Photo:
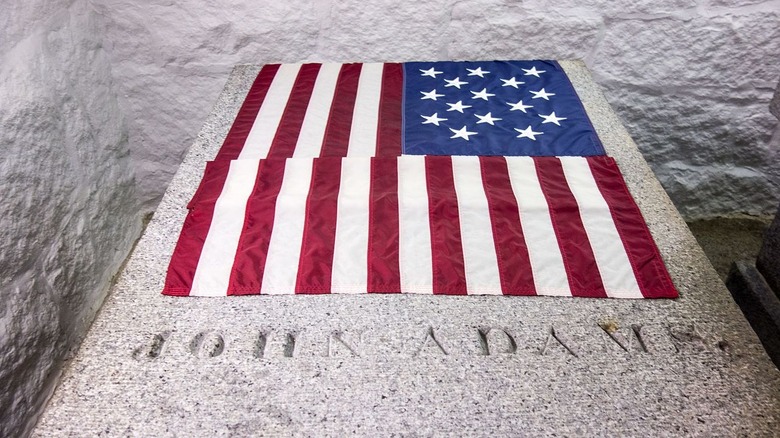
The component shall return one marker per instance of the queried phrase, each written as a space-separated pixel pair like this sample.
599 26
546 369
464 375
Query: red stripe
184 261
336 140
286 137
384 272
236 138
249 265
646 261
581 267
319 230
211 184
389 131
514 264
449 274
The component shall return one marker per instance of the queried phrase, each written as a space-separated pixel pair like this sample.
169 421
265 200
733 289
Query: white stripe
543 251
365 117
315 121
617 275
281 265
414 228
212 275
476 231
263 131
350 249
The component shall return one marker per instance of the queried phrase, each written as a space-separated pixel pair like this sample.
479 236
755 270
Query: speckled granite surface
379 365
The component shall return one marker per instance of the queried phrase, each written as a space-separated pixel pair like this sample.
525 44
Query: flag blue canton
494 108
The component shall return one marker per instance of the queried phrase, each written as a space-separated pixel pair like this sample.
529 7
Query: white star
477 72
454 83
541 94
511 82
432 95
482 94
519 106
430 72
458 106
462 133
552 118
434 119
487 118
528 133
533 72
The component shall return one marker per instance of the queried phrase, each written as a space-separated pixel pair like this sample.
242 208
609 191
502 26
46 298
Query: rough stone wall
68 213
690 78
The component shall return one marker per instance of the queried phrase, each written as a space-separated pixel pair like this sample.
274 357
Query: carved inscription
496 341
687 339
262 341
276 344
575 342
340 344
629 339
430 345
560 338
154 348
207 344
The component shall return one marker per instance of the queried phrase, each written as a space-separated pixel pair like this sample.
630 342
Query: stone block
672 55
649 8
487 29
735 3
683 144
698 190
384 30
759 304
768 262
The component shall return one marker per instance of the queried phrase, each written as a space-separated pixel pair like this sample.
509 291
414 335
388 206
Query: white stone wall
691 79
68 213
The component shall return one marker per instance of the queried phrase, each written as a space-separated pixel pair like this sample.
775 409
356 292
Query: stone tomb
756 288
418 365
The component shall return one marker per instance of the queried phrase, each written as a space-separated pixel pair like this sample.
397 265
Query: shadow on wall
69 208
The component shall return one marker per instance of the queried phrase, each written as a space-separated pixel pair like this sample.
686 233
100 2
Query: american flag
523 108
311 194
437 224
